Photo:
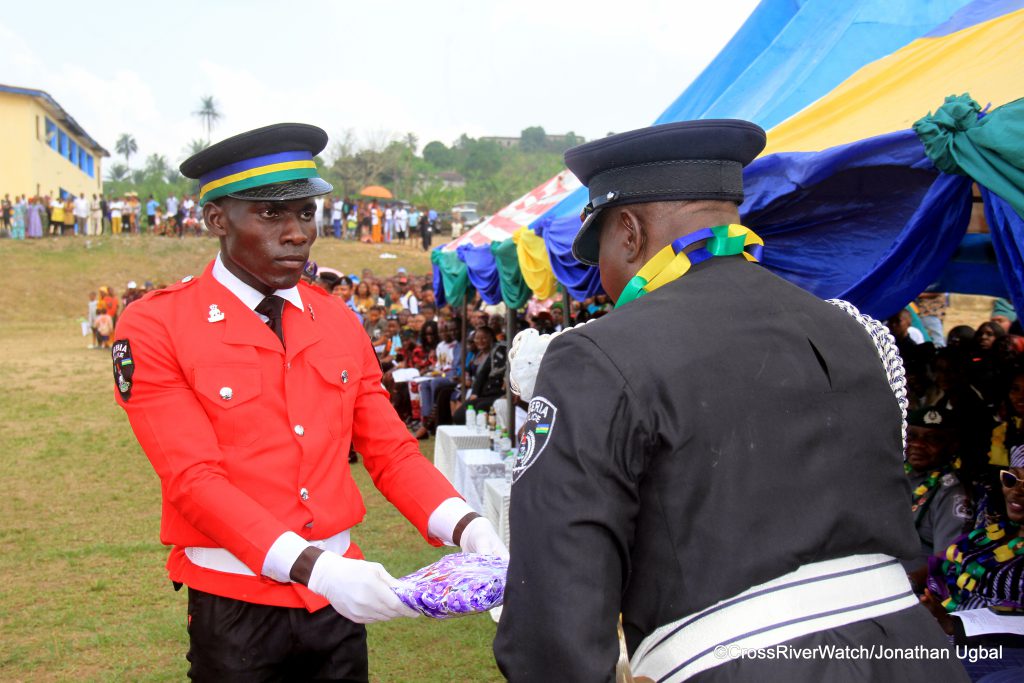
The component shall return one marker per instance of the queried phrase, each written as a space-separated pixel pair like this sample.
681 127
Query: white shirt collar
248 295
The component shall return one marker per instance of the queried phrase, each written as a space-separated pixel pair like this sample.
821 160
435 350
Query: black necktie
271 306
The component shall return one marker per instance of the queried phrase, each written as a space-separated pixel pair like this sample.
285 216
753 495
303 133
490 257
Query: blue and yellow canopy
847 200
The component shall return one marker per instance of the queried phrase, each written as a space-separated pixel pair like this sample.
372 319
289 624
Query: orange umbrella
377 192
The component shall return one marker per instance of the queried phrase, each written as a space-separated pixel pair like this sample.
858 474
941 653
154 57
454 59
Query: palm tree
126 147
195 147
156 165
208 113
117 172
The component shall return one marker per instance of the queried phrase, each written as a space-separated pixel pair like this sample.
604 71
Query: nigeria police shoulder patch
540 423
124 367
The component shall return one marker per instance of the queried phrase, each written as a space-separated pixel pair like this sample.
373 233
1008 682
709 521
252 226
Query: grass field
84 593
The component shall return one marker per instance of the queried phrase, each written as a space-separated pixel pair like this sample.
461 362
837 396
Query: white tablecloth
497 493
453 438
472 468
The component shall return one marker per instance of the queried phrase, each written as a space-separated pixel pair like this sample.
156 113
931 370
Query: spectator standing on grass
104 326
18 212
105 225
259 500
6 207
171 205
188 206
91 318
414 222
116 209
109 301
401 224
69 227
81 209
375 223
336 209
389 223
34 213
427 229
136 209
351 224
95 216
151 208
56 216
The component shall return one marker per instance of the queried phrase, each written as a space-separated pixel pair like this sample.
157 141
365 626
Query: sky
435 68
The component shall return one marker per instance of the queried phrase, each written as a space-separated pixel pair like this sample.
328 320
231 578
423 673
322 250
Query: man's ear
632 234
215 218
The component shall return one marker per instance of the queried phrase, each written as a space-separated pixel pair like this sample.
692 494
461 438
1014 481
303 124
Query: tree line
439 176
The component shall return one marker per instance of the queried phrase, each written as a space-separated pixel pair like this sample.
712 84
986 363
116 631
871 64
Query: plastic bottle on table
470 416
481 422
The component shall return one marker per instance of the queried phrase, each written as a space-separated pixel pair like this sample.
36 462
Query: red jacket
218 407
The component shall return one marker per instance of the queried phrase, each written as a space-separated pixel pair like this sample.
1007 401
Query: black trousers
231 640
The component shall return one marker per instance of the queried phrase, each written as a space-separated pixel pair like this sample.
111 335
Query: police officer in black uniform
718 461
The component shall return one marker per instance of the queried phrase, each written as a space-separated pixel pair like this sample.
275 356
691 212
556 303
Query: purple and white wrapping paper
454 586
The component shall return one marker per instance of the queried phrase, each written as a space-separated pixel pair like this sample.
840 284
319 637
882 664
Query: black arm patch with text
124 367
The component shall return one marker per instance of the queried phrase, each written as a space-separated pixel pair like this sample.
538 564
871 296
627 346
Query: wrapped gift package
456 585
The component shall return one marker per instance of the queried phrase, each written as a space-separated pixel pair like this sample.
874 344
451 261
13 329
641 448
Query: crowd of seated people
409 332
965 464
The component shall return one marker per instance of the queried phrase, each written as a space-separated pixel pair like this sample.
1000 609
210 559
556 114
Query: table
452 438
472 468
497 493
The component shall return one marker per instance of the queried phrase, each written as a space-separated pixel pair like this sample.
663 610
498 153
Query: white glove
479 536
524 359
357 589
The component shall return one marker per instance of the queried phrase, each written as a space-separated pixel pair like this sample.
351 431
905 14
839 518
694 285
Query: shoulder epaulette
185 282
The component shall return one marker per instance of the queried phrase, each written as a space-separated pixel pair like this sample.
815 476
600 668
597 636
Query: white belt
815 597
221 560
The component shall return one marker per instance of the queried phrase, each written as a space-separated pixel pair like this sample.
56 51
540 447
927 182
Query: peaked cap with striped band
682 161
270 163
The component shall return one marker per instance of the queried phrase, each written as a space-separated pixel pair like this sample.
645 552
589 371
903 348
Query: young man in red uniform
246 389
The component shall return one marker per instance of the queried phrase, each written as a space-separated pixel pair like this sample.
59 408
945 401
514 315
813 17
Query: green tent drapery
453 274
514 291
989 149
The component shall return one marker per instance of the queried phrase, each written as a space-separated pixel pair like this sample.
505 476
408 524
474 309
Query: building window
65 145
51 134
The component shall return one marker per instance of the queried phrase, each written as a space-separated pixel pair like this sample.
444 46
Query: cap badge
932 417
216 315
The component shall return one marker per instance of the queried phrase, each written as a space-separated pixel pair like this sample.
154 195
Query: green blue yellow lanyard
673 262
